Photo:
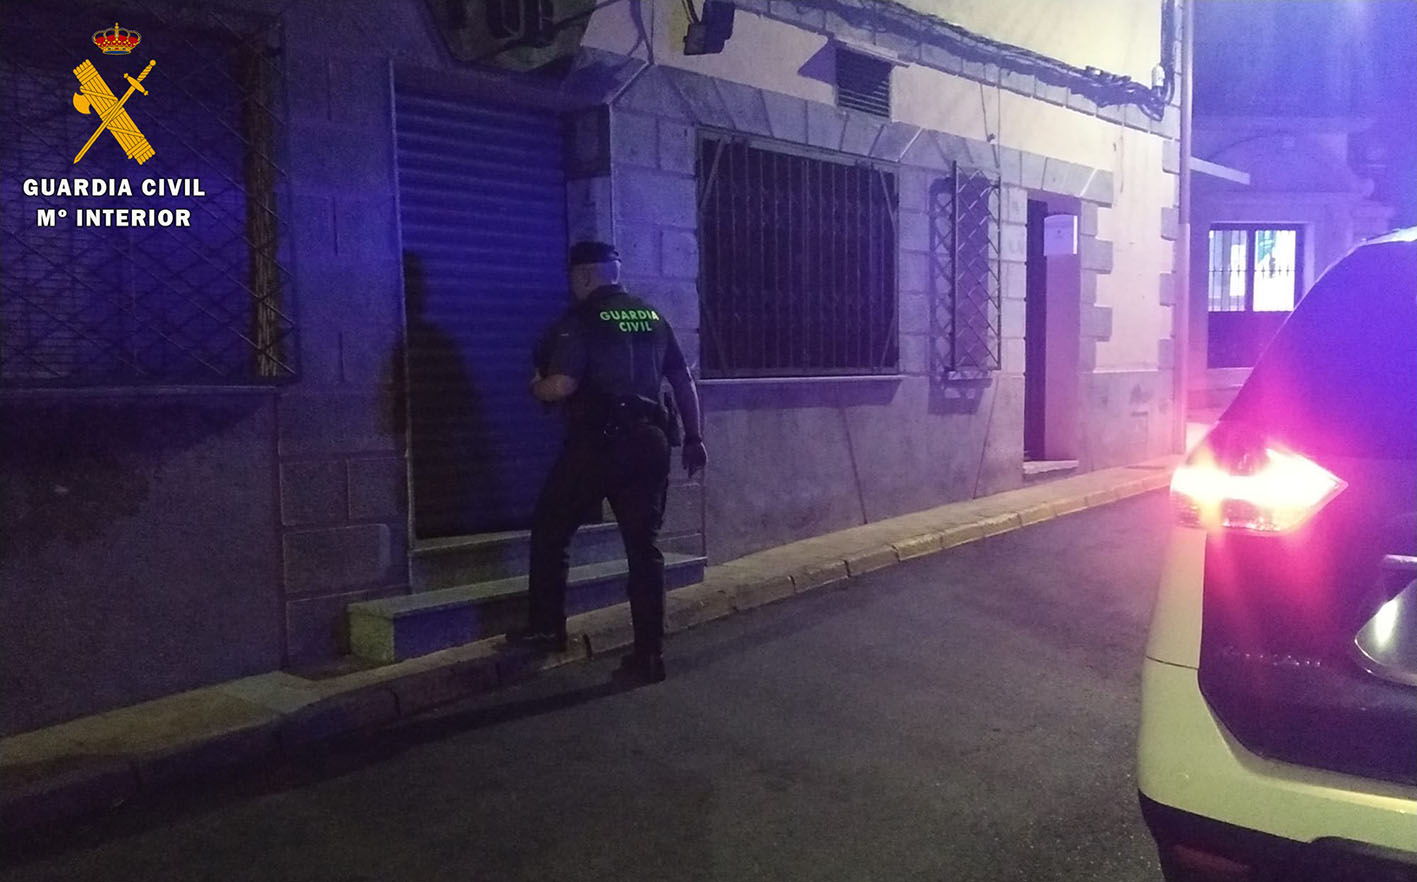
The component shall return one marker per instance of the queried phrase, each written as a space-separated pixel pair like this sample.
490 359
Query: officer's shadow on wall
444 406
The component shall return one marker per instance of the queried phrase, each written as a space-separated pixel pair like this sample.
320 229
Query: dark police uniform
619 349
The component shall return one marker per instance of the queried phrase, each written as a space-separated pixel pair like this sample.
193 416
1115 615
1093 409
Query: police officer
605 361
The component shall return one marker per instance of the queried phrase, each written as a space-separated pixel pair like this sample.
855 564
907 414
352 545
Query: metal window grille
1254 268
112 305
863 83
797 263
965 290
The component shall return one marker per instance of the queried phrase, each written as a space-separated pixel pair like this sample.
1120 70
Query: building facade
218 438
1301 155
1261 238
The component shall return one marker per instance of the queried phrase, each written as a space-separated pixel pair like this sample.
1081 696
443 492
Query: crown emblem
116 40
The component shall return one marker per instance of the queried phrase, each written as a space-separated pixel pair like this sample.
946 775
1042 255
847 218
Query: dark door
1035 334
483 216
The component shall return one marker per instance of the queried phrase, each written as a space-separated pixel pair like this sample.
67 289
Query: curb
98 763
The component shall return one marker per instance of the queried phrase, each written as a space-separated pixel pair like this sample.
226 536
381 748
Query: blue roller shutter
483 214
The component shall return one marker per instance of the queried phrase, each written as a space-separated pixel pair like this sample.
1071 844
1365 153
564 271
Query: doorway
1035 336
483 218
1052 339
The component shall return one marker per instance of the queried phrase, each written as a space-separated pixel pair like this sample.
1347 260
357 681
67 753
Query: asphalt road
966 716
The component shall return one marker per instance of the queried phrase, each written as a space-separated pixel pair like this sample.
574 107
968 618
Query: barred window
117 303
965 289
797 262
1254 268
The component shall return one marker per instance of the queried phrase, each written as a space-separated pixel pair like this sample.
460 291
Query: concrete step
484 557
398 628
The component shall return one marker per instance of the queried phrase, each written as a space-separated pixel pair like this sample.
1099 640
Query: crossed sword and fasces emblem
94 94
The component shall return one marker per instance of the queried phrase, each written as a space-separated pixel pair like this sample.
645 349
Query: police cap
593 252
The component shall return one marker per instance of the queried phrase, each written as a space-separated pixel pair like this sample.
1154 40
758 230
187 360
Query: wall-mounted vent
863 83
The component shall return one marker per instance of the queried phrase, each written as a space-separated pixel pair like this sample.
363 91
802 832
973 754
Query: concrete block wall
317 471
1128 415
204 534
1139 321
342 474
343 477
651 163
780 452
138 547
797 458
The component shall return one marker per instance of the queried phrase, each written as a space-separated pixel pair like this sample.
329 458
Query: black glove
695 455
541 354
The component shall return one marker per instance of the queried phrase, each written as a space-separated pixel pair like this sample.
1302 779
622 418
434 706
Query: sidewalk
101 761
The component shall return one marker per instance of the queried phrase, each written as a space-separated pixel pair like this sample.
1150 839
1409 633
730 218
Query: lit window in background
1253 269
1275 260
1227 270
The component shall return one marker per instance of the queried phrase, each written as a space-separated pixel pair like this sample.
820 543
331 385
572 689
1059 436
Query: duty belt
621 415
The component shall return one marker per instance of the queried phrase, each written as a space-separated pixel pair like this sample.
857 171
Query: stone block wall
138 547
298 498
655 226
342 475
796 458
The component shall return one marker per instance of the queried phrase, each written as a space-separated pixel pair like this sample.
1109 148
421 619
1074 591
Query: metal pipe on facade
1181 274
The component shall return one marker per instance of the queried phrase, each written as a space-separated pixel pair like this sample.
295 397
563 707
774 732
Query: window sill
476 541
135 391
795 381
1035 467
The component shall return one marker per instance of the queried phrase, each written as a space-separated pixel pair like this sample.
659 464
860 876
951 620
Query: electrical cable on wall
994 136
1105 88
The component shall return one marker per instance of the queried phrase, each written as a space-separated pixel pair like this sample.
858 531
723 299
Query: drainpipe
1181 274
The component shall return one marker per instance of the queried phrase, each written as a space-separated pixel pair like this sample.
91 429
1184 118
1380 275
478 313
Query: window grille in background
530 20
797 263
863 83
964 257
1254 268
110 305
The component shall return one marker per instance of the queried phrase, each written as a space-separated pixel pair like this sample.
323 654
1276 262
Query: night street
657 440
970 715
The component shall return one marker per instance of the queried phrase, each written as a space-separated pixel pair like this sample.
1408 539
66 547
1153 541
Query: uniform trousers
631 470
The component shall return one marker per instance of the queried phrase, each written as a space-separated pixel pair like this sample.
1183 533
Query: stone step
484 557
398 628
